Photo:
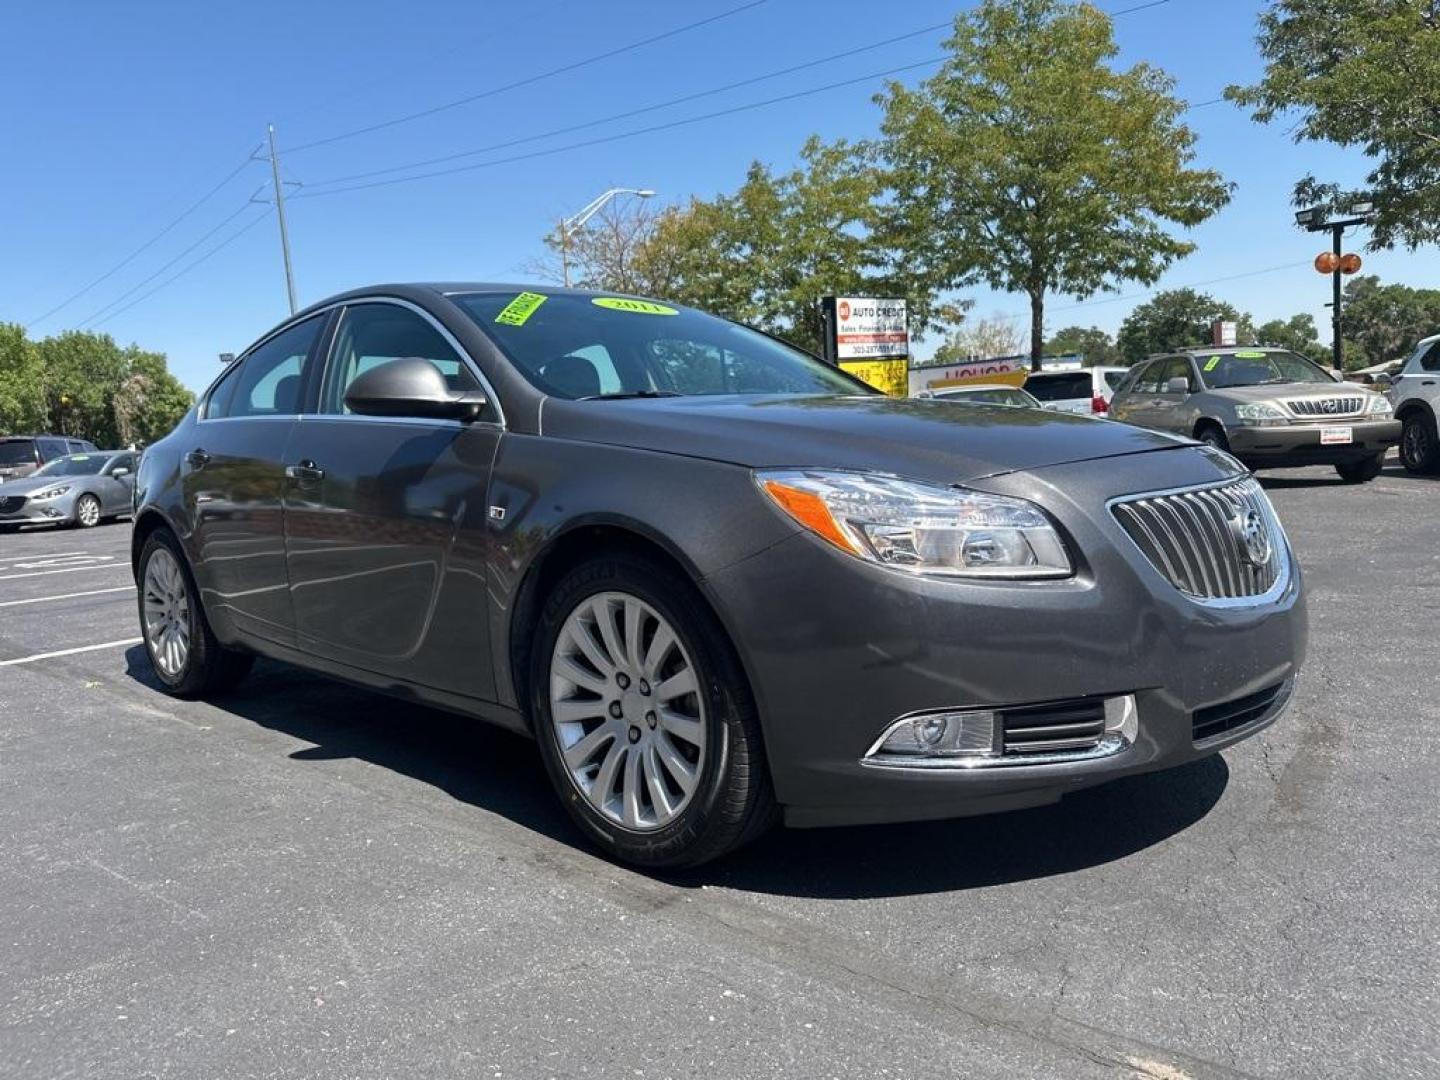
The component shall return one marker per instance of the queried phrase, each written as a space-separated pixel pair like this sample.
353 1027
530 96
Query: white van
1086 390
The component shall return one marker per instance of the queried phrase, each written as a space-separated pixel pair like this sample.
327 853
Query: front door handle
198 459
307 472
1427 382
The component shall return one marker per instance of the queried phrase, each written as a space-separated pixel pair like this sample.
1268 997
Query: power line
146 245
146 281
528 81
189 267
634 112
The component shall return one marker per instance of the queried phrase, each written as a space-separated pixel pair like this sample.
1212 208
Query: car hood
924 439
26 484
1272 391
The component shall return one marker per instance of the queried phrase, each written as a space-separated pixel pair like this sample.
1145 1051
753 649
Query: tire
1419 446
713 731
87 512
202 666
1213 435
1362 471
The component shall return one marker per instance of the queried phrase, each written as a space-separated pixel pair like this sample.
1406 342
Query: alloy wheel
1415 444
167 614
87 511
627 711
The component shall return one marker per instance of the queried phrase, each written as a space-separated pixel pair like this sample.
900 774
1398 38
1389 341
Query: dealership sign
868 328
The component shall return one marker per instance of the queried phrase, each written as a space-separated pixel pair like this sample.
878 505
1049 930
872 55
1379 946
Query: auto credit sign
870 329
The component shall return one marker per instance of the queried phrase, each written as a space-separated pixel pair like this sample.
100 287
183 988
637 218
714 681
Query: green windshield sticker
1212 363
521 308
639 307
1251 355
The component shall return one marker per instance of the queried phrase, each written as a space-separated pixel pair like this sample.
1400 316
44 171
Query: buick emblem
1254 537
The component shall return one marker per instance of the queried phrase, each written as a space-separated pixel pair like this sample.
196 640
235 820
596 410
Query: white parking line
68 570
65 596
41 555
70 652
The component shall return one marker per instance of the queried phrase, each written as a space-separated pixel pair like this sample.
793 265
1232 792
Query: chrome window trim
1283 574
450 339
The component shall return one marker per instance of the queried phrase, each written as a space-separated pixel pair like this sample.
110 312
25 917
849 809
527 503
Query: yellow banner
891 375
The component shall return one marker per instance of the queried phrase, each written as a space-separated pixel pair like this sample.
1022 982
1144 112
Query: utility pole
280 214
564 253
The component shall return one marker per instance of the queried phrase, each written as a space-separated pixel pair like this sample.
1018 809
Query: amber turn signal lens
1327 262
810 510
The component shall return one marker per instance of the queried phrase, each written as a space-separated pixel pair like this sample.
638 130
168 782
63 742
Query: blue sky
120 116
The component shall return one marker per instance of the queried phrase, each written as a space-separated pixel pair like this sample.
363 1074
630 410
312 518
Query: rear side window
1060 386
375 334
1113 379
269 380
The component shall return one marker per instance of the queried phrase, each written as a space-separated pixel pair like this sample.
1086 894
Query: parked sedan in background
984 394
717 579
78 489
1271 408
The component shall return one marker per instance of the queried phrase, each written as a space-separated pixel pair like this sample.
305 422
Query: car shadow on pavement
501 773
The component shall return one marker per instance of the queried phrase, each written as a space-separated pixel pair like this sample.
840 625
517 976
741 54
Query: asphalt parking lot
306 880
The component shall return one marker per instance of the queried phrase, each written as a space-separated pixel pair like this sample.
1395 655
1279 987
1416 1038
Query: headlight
1380 406
921 528
52 492
1260 412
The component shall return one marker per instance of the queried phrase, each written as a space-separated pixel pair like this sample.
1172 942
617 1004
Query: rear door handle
306 472
198 459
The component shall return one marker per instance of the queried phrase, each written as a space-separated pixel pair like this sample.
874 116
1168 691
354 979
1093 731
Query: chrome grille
1326 406
1208 541
11 504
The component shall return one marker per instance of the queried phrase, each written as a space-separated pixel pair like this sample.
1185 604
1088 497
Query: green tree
1385 322
1094 344
1360 73
82 373
1031 164
1176 319
984 339
22 382
1296 334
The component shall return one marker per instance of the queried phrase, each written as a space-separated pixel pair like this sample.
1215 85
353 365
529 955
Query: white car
985 394
1415 393
1085 390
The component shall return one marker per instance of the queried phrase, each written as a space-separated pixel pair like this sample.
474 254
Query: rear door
384 516
233 477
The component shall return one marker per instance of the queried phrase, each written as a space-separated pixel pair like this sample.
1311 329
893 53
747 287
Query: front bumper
1299 444
38 511
837 649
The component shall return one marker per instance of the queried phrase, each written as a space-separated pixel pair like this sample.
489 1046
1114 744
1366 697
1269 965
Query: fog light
952 734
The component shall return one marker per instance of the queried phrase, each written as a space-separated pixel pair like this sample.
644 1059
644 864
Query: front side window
73 465
1251 367
648 348
269 380
50 449
1177 367
374 334
121 461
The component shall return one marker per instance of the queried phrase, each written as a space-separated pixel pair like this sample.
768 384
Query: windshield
993 395
74 465
1256 368
580 347
19 452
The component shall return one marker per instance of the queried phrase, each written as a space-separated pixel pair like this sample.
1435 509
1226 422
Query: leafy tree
22 382
1385 322
1176 319
766 254
1031 164
1362 73
82 373
1296 334
1094 344
603 254
980 338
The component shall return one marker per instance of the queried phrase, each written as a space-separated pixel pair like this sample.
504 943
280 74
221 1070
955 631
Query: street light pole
576 221
1317 219
1337 346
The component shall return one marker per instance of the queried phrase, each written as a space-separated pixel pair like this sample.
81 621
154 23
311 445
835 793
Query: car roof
417 289
974 386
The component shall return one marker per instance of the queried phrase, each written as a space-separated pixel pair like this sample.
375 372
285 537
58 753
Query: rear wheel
187 658
1358 472
644 717
87 511
1419 447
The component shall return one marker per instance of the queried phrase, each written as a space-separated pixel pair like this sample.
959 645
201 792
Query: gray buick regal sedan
718 581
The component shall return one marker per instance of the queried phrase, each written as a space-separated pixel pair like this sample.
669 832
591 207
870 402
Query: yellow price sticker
521 308
638 307
1212 363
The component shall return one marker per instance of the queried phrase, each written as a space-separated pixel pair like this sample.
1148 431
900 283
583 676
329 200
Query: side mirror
411 387
118 473
1178 385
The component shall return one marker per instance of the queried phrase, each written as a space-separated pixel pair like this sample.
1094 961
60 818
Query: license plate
1333 436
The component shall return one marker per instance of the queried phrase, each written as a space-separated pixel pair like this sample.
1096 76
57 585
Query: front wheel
187 658
1362 471
87 512
1419 447
1212 435
644 717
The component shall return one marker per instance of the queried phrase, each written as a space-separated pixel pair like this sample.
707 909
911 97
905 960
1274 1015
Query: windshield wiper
620 395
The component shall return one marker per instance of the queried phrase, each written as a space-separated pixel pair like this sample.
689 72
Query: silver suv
1269 407
1415 393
